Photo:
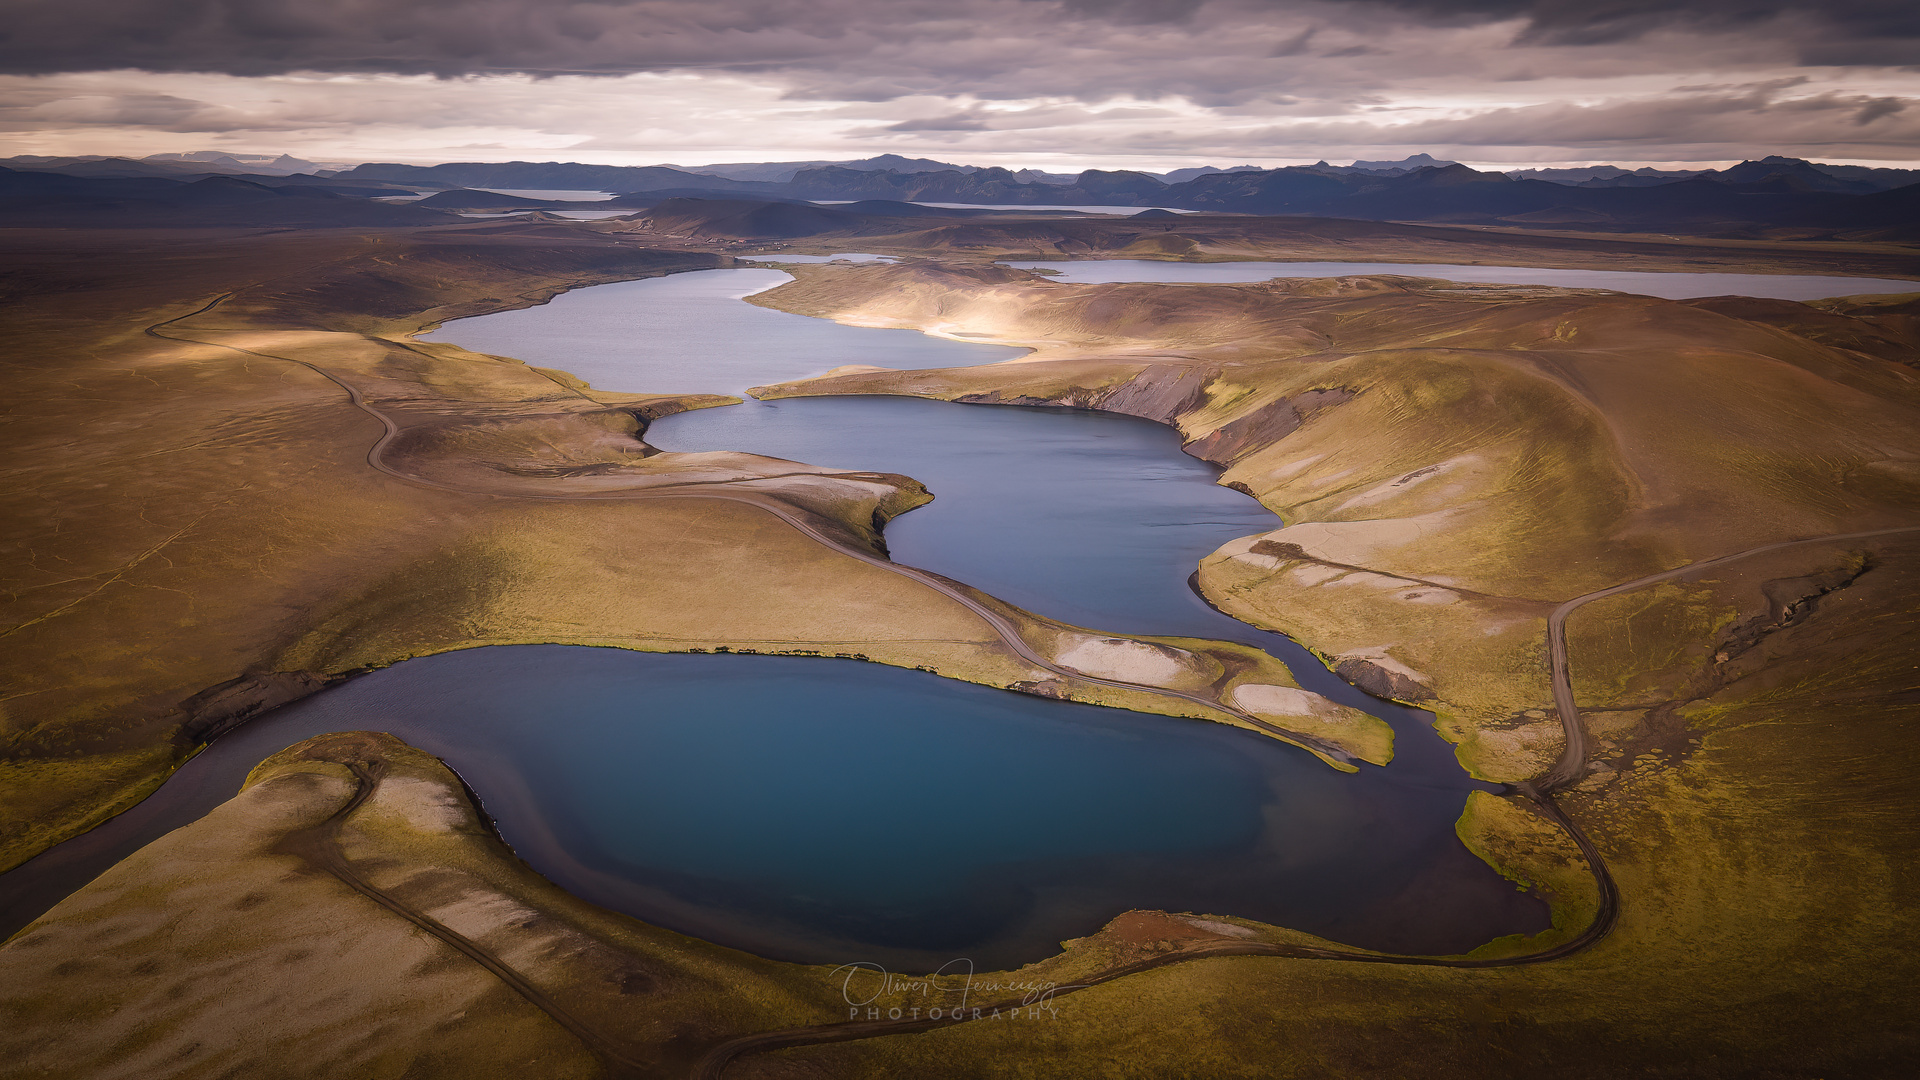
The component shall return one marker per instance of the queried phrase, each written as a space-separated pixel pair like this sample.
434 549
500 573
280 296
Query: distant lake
574 215
690 334
1078 208
850 256
556 194
1671 286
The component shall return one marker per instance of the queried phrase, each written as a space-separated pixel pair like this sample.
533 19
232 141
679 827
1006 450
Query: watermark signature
952 993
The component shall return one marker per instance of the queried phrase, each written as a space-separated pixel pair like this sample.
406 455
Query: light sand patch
1370 579
1239 546
1215 926
1125 660
1333 477
715 459
1378 656
1405 482
879 322
292 802
829 487
1293 468
477 914
1266 700
1314 573
1354 542
422 804
1901 469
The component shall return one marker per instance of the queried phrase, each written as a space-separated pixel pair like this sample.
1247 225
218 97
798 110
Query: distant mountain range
1812 176
1774 197
30 199
1848 179
197 163
766 177
1754 197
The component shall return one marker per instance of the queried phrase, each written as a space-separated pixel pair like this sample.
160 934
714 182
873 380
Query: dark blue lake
832 810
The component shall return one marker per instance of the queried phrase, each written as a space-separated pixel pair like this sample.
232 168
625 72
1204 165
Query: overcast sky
1046 83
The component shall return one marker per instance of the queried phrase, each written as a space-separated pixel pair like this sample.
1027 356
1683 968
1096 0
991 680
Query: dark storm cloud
1135 11
452 37
1886 29
457 37
950 122
1724 117
1875 108
439 37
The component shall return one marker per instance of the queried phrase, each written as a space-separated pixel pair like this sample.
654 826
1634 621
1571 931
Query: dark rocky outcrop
1789 602
219 709
1263 427
1380 682
1161 392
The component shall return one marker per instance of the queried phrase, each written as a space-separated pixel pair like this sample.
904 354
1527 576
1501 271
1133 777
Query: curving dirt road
1573 757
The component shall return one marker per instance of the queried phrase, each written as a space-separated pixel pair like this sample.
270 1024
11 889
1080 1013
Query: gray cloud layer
458 37
1097 80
